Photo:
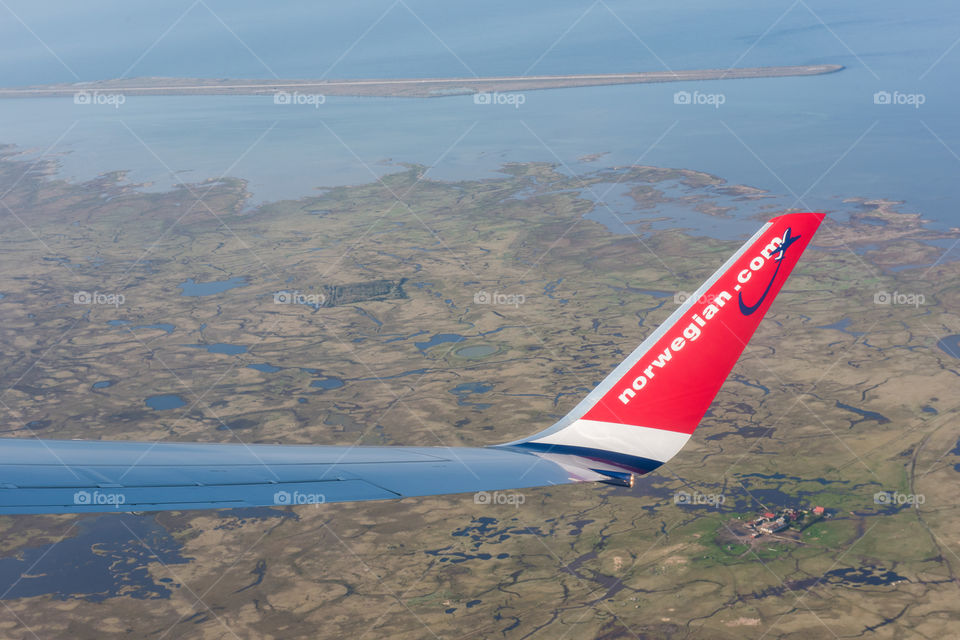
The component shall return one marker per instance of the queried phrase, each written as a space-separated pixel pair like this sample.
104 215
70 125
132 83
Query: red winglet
673 382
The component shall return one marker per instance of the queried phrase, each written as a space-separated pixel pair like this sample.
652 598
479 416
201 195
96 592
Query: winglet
643 412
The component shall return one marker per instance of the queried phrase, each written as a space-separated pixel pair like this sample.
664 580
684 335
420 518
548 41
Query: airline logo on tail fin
775 249
650 404
671 384
777 254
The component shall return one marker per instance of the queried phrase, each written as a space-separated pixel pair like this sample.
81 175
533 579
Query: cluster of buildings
771 522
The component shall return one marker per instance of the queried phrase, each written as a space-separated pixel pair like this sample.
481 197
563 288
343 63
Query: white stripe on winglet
655 444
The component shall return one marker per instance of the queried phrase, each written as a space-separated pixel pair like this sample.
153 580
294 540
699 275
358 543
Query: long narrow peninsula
401 87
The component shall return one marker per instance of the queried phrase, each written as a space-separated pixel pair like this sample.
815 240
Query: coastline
400 87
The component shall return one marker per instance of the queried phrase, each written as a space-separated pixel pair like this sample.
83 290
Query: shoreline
400 87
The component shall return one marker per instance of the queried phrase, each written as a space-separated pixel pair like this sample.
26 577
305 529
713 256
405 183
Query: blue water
264 367
166 401
950 345
465 390
192 288
438 338
809 140
617 211
221 347
163 326
471 387
102 384
327 383
107 556
841 325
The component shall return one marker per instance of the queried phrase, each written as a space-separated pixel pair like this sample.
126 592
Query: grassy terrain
579 561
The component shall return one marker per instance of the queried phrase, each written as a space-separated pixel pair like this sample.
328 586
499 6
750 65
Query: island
400 87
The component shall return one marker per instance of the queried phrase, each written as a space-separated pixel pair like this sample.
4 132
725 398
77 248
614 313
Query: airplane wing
636 419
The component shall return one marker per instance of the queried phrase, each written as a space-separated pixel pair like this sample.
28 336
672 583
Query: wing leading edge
635 420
